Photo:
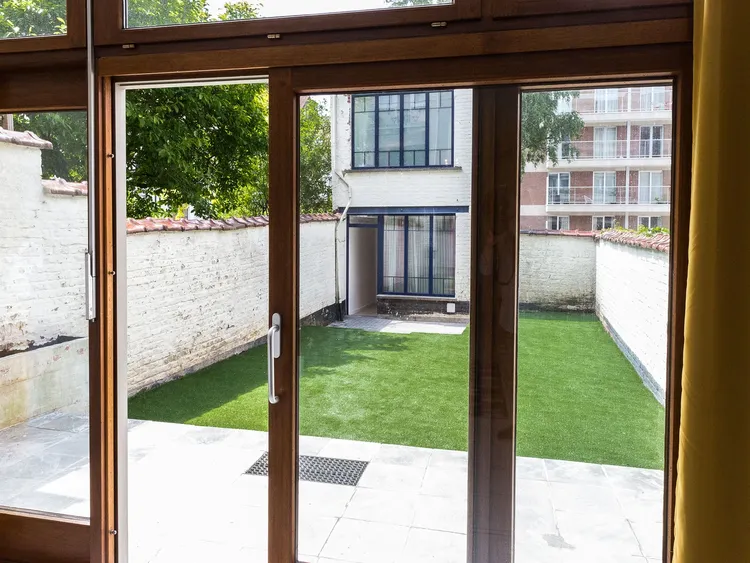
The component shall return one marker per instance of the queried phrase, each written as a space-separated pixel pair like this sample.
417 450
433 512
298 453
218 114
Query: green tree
67 133
315 157
27 18
198 146
543 127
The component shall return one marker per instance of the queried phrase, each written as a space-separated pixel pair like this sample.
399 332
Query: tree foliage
543 127
203 147
28 18
67 133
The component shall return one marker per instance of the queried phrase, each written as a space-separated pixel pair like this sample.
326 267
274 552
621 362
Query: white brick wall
42 245
632 299
557 272
199 296
403 188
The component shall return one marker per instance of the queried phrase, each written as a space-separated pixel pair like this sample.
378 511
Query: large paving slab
190 499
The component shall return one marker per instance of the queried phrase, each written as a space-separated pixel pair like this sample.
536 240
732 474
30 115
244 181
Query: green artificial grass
578 397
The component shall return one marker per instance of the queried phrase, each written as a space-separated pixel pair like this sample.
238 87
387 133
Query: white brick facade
401 188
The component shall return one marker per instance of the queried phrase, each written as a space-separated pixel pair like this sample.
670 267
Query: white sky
276 8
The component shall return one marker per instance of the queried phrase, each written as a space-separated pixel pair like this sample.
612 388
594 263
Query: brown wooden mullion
494 321
283 299
102 336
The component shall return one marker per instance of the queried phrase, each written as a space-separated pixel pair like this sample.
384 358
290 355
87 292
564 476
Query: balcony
615 153
648 200
617 105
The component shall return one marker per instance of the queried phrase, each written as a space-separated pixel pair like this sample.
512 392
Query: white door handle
273 344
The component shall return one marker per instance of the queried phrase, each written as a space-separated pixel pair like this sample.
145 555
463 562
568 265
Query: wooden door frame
520 68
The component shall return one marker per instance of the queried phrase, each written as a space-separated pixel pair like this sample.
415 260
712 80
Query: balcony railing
604 195
614 149
603 101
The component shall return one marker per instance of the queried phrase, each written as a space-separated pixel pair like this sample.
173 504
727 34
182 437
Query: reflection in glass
44 361
32 18
151 13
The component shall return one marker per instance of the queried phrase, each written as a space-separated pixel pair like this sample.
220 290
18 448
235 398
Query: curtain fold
712 518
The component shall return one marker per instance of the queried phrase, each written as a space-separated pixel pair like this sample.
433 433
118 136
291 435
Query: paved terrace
190 499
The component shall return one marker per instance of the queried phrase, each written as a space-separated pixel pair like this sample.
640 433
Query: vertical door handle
273 344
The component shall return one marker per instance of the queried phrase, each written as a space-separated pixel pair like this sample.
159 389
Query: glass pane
389 130
444 255
384 365
150 13
419 255
393 254
195 162
415 122
592 347
44 344
441 128
27 18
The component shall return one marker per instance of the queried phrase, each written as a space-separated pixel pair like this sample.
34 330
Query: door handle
273 345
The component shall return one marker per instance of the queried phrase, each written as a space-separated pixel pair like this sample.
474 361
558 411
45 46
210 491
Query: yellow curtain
712 519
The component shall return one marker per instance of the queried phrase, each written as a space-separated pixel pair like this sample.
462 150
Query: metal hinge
439 24
90 286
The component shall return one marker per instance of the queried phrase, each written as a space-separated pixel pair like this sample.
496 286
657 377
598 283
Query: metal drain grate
319 469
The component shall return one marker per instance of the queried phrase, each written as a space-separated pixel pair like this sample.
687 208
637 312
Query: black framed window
418 255
403 130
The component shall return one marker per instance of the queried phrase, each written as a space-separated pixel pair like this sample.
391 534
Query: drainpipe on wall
336 273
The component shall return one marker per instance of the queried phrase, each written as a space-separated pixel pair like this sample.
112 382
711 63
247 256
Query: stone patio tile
641 506
314 533
365 542
585 499
41 466
443 514
635 478
323 499
403 455
61 422
199 552
249 490
20 442
530 468
75 445
650 537
429 546
151 434
312 445
598 534
44 502
390 477
387 507
449 458
535 516
350 449
575 472
11 487
528 552
445 482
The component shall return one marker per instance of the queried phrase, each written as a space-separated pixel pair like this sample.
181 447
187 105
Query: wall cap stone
150 225
58 186
24 139
658 242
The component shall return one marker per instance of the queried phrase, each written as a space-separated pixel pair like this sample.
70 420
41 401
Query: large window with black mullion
418 255
405 130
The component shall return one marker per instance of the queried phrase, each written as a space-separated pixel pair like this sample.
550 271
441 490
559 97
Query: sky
276 8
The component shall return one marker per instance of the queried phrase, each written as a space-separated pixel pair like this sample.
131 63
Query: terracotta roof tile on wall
24 139
59 186
150 225
658 242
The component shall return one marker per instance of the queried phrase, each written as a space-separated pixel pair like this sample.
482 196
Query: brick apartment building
617 173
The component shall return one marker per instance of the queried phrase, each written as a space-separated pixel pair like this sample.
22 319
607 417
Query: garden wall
621 276
201 295
197 290
557 271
